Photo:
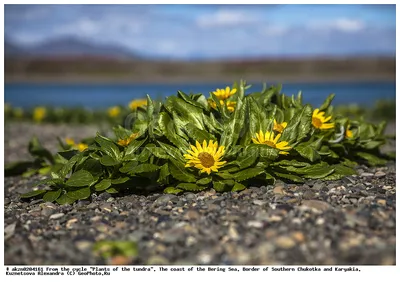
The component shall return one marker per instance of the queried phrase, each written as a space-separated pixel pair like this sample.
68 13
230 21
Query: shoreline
209 79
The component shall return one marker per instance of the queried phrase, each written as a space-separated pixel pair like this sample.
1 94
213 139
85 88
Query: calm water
102 96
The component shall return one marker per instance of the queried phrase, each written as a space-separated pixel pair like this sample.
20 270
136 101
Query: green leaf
307 152
164 173
317 173
65 199
327 102
32 194
112 190
187 99
69 165
108 161
103 185
172 190
340 172
108 146
204 180
51 196
80 178
68 154
173 152
189 187
179 172
93 166
219 186
247 173
80 194
198 134
238 187
17 168
145 168
120 180
157 151
129 167
291 177
372 159
37 150
133 146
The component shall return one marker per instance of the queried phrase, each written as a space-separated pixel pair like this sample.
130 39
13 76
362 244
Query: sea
101 96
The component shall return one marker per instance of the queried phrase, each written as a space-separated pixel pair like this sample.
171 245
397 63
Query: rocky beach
351 221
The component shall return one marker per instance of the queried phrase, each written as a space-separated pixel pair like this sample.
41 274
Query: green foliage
156 151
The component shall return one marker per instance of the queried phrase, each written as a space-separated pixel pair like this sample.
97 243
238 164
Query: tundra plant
226 141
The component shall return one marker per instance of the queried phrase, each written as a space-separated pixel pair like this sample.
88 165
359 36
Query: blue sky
213 31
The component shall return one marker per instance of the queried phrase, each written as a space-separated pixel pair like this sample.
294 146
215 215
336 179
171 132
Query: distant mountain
70 47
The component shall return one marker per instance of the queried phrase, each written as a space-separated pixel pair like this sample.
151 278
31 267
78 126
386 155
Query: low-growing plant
226 141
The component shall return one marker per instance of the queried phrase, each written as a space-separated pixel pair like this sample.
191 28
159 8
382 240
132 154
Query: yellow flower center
316 122
206 159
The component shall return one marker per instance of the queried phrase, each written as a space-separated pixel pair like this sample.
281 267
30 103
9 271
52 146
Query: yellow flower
279 126
70 141
81 146
114 111
39 114
270 140
134 104
125 142
206 158
349 133
229 104
224 94
319 120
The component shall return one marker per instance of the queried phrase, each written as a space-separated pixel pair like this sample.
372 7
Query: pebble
56 216
366 174
380 174
316 204
285 242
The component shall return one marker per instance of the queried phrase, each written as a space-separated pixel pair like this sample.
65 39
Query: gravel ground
350 221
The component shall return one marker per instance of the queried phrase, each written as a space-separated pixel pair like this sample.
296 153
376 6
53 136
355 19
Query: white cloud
274 30
224 18
342 24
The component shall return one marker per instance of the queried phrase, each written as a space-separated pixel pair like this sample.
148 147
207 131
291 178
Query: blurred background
98 56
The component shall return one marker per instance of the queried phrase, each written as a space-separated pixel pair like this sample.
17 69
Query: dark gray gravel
351 221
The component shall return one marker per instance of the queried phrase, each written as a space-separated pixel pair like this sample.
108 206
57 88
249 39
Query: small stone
71 222
381 202
298 236
308 195
163 200
259 202
255 224
316 204
83 245
318 186
279 190
56 216
190 196
47 211
109 200
233 234
9 230
380 174
367 174
285 242
106 207
204 257
192 214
